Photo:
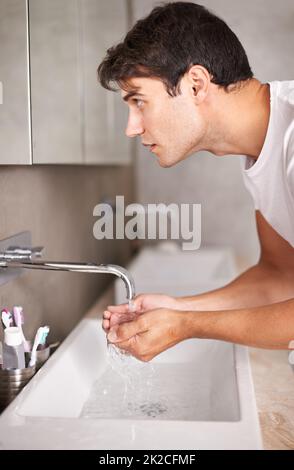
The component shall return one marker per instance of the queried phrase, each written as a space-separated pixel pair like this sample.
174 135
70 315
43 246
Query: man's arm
270 281
257 309
270 327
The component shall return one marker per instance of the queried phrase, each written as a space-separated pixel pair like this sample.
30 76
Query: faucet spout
74 267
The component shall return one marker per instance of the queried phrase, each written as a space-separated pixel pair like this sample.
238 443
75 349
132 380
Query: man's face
171 127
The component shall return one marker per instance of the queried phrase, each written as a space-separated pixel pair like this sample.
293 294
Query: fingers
109 320
138 346
105 325
134 305
106 314
116 314
125 331
112 319
122 308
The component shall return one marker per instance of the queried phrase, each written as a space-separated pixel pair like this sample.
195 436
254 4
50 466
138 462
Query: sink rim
23 432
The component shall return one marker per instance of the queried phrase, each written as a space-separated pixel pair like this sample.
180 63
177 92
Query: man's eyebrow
130 94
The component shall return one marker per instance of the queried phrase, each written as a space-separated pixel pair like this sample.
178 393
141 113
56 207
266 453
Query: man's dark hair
171 39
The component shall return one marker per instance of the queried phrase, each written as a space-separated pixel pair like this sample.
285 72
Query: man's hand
150 333
268 326
116 314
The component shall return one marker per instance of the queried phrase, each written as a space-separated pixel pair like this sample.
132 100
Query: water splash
171 392
132 306
134 374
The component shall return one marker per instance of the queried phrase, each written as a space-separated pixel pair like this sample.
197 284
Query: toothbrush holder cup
12 382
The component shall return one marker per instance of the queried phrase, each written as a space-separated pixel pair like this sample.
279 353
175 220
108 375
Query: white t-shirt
270 178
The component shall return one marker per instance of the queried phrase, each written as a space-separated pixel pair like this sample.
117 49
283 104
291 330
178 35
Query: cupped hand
115 314
151 332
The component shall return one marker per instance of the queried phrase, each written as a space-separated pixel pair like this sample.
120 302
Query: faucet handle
18 253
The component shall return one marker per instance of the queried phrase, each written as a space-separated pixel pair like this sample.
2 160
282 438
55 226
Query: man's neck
242 120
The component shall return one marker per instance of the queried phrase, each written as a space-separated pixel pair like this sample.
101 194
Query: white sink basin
199 395
177 272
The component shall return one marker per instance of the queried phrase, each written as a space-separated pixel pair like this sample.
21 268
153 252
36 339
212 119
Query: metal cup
41 355
12 382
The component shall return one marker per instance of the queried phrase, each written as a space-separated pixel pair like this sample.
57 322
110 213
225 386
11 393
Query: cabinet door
15 138
103 23
56 88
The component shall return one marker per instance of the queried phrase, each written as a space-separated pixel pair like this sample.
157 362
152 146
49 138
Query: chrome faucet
22 257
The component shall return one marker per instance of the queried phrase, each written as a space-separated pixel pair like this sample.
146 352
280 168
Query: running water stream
131 389
125 386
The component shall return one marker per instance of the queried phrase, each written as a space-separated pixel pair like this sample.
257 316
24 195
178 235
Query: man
189 87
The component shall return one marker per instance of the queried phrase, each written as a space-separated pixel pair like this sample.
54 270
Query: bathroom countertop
273 380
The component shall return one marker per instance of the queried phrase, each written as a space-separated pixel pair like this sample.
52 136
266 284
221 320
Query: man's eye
138 103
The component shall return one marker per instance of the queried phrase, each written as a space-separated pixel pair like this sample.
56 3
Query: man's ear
199 80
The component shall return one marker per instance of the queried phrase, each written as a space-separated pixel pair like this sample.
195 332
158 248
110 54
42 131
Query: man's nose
135 126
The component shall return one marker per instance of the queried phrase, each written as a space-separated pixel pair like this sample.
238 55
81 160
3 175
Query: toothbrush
37 341
6 318
19 321
42 344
